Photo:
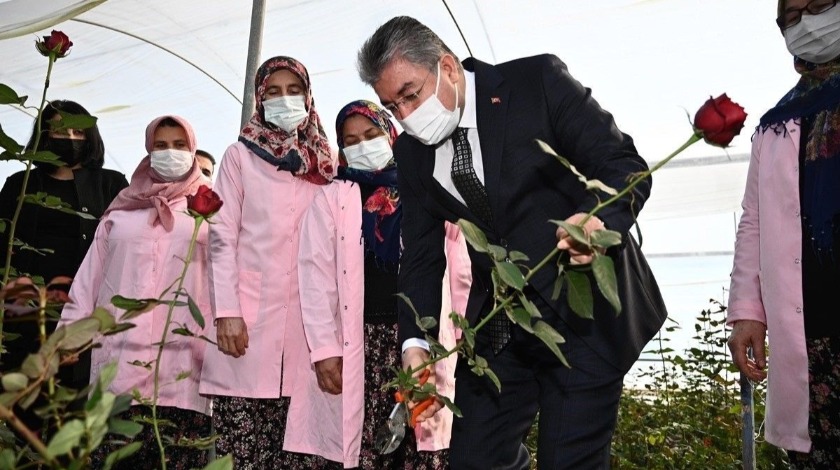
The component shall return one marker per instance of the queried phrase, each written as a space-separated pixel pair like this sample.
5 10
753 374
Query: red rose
56 43
204 203
719 120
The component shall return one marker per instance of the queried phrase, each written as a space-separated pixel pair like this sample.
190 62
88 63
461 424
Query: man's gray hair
401 37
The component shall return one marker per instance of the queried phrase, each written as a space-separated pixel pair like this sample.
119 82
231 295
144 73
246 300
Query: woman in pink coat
137 253
787 252
348 277
267 180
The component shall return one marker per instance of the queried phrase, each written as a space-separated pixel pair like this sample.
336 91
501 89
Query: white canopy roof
646 61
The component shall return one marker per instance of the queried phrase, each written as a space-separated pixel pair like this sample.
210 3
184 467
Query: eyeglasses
407 100
792 16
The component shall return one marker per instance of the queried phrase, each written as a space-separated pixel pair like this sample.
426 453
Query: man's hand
578 254
749 334
412 358
328 372
232 336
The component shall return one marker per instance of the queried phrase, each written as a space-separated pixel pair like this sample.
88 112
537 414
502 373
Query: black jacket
516 103
95 189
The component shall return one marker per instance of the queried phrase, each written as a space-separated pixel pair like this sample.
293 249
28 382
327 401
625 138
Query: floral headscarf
306 151
382 212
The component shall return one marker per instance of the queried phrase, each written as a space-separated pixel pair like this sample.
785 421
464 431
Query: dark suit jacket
518 102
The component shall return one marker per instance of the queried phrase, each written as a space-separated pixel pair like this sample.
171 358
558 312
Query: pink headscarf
147 189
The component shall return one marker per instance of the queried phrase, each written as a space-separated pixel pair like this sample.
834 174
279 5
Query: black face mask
69 151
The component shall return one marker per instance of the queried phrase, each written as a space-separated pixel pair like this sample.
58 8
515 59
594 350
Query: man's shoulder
532 62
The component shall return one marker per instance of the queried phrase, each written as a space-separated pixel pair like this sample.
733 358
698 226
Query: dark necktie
465 179
475 197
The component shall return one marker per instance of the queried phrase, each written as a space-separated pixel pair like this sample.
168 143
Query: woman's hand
749 334
328 372
232 336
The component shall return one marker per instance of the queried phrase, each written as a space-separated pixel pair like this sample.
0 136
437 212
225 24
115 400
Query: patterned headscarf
382 211
815 103
304 152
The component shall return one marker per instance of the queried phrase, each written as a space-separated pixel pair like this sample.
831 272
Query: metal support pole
254 51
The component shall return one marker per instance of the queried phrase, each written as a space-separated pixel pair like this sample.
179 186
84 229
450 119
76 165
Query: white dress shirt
444 154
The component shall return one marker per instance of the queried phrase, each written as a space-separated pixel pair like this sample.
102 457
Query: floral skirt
180 424
824 410
250 443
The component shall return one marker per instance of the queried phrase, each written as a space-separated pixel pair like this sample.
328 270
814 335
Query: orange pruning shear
391 434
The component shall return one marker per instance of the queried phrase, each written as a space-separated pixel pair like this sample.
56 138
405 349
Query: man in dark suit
469 152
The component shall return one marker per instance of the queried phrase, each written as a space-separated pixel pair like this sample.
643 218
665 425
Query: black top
820 267
90 191
380 282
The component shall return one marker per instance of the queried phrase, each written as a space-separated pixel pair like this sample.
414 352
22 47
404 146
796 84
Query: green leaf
183 332
120 454
497 252
68 437
590 184
124 427
28 400
2 226
119 328
134 307
42 156
604 271
14 381
605 238
73 121
10 96
450 404
510 274
107 375
33 366
579 294
575 231
79 333
224 463
532 309
182 375
493 378
558 285
517 256
520 316
427 323
475 237
7 459
195 312
106 320
551 338
9 143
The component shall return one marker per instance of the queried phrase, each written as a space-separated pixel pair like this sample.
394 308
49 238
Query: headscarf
815 103
147 189
305 152
382 212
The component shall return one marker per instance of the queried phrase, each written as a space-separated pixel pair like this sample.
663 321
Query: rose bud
56 43
205 202
719 120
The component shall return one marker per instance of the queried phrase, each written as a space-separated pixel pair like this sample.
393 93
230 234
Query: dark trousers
578 407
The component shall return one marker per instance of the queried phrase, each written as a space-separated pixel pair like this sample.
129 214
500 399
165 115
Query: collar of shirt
468 118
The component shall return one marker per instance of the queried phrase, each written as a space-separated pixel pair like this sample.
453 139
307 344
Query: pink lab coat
767 280
253 275
130 258
332 280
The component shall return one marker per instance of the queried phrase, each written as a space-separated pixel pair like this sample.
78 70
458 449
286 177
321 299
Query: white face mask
286 112
369 155
431 122
171 164
816 38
